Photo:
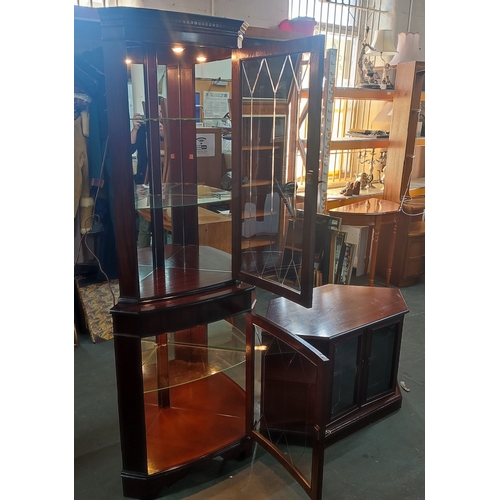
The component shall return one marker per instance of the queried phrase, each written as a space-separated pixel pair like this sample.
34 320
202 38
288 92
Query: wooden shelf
256 183
258 240
260 148
364 94
344 143
223 416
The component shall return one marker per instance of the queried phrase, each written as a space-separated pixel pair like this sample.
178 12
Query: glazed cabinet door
382 360
276 117
347 357
286 400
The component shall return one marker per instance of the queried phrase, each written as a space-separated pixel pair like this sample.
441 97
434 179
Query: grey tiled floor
384 461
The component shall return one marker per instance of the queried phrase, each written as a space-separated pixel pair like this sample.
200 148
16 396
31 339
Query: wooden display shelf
362 94
366 94
258 240
205 416
260 148
256 183
345 143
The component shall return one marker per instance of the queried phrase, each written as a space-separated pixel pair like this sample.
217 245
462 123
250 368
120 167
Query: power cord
94 218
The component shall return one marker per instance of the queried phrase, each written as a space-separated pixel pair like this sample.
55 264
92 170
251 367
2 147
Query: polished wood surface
409 254
373 213
337 309
185 271
204 416
372 206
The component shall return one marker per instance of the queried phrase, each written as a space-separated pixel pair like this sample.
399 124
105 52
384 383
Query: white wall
257 13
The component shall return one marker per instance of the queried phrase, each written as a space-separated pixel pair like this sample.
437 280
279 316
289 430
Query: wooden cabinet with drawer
409 253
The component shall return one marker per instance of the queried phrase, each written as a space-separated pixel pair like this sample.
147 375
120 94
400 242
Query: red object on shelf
304 25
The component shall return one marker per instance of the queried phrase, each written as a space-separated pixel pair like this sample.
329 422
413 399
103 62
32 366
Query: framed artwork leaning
338 238
346 259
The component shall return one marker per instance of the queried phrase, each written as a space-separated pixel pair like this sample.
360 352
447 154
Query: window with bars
346 24
97 3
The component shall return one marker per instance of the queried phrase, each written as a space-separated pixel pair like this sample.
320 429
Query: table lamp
383 46
408 48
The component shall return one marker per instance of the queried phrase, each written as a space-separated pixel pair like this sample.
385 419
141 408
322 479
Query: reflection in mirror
142 156
213 153
168 200
274 127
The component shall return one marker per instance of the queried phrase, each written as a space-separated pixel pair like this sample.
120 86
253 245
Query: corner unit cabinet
179 322
363 345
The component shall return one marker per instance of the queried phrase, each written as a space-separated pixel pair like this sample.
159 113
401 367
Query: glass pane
194 392
381 367
163 132
274 149
285 401
345 370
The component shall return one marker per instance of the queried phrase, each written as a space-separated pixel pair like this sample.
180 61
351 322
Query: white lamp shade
382 43
408 48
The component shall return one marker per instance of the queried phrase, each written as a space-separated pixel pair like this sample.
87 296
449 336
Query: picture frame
337 239
344 269
334 223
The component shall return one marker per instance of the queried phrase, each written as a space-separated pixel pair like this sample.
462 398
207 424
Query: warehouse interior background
38 87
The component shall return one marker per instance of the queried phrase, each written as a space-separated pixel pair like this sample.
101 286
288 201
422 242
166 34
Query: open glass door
276 107
286 400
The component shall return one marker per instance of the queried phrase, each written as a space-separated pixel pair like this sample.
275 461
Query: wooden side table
373 213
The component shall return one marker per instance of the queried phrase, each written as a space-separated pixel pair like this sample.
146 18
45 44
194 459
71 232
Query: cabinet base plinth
363 417
148 487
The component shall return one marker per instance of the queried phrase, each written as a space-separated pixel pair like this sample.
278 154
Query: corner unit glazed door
276 117
286 400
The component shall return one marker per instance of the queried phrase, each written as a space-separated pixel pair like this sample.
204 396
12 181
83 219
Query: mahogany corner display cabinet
195 367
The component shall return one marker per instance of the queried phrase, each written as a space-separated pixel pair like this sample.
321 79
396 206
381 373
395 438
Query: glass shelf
181 195
179 358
